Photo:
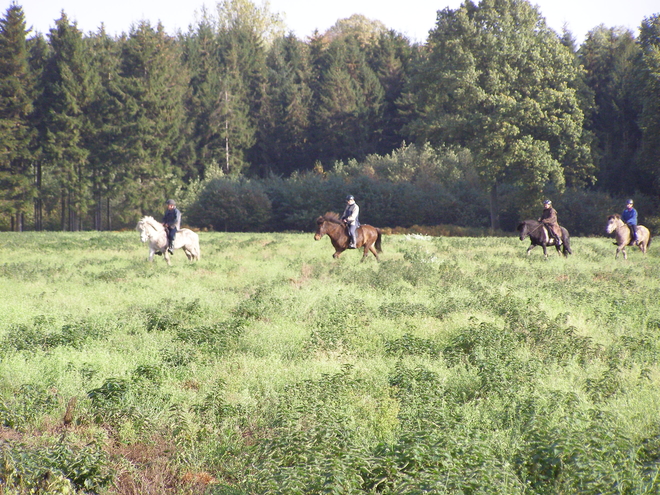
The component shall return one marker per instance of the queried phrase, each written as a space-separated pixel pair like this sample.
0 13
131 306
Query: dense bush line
293 204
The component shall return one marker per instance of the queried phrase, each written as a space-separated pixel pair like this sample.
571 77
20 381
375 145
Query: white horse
624 237
154 232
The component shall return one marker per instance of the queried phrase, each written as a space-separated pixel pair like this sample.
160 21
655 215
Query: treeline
235 117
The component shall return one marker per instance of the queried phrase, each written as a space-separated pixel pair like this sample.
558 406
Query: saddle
551 234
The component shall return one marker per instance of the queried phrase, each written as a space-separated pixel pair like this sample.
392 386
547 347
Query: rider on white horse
172 223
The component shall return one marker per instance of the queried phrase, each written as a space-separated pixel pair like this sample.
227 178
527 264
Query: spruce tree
66 94
204 103
283 133
105 117
154 84
39 54
16 132
349 103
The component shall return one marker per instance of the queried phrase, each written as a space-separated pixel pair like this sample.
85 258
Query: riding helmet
547 202
629 202
349 197
170 202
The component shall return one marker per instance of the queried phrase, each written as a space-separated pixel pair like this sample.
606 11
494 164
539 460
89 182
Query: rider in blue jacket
629 216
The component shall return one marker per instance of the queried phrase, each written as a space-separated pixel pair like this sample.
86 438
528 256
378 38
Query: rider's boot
557 239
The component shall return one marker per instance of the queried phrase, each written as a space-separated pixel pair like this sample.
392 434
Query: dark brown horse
539 236
367 236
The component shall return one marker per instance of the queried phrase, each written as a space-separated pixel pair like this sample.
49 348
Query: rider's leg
633 232
171 234
557 237
352 235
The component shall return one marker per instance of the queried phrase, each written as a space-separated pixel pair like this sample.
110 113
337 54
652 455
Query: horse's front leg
545 250
531 246
152 252
337 253
622 250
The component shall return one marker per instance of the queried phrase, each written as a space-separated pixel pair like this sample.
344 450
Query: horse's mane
616 215
332 217
151 222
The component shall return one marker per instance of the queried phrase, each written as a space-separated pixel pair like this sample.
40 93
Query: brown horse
367 236
624 237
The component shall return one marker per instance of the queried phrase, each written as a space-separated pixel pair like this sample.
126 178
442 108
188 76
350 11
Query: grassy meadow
453 366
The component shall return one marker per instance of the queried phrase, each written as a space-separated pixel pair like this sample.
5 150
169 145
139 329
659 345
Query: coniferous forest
251 129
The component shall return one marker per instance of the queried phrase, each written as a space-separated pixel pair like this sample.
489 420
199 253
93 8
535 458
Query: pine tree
16 133
349 103
283 133
154 84
39 54
105 117
202 58
66 94
244 32
390 57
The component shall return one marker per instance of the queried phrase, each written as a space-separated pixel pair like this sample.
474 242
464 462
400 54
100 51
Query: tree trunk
98 212
226 134
63 212
494 208
38 204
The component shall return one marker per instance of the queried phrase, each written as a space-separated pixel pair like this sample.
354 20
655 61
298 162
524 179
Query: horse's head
146 227
142 229
613 221
522 228
321 228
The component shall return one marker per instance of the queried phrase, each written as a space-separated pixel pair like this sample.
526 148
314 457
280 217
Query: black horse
539 236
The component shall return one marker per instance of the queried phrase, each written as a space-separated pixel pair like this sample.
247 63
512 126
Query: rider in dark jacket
172 223
350 218
549 219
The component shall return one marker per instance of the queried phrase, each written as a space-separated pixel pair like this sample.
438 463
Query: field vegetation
456 365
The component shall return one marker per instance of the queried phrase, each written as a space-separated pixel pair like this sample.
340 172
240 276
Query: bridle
534 229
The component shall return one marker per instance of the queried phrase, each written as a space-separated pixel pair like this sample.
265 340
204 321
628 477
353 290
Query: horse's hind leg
374 252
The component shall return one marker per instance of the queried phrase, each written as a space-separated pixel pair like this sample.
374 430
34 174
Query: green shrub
54 469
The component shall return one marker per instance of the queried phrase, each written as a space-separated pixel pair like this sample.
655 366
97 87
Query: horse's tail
197 253
566 241
377 243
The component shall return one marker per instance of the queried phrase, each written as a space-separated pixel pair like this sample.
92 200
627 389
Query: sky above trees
413 18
